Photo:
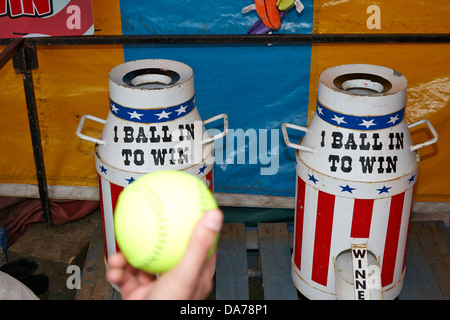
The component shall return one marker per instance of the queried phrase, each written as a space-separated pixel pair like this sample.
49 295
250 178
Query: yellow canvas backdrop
71 81
426 67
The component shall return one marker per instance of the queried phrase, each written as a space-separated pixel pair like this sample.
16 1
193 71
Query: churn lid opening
151 78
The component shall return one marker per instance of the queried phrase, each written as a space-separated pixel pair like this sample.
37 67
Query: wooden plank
435 239
427 273
94 285
251 234
231 269
276 262
420 281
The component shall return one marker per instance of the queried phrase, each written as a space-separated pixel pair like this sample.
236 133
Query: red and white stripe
326 224
109 193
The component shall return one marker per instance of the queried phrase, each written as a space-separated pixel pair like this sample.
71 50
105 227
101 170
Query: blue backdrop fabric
258 86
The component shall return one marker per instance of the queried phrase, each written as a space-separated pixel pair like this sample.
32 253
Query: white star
114 108
181 110
163 115
319 110
339 120
136 115
393 119
367 124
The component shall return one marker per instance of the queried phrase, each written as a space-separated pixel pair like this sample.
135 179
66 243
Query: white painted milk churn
153 124
356 169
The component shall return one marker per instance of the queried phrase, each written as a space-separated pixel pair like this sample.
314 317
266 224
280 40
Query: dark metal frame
23 53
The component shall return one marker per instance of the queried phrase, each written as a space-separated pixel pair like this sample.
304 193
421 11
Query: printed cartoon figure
271 13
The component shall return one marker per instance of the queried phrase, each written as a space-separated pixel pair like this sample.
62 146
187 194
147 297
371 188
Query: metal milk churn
153 124
356 169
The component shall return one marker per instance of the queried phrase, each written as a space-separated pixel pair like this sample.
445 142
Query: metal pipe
10 51
37 146
24 61
241 39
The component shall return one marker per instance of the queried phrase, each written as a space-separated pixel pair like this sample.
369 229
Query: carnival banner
39 18
259 87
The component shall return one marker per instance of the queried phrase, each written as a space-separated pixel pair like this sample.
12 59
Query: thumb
203 238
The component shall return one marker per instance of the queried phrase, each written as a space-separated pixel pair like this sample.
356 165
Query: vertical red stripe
392 235
300 210
362 217
210 178
322 239
115 192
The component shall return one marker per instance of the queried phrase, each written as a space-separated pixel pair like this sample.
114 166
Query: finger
117 260
116 268
122 274
144 278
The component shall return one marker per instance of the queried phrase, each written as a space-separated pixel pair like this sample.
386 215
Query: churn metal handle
433 132
295 145
85 137
225 127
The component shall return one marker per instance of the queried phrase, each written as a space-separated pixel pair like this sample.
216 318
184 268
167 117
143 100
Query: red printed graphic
40 18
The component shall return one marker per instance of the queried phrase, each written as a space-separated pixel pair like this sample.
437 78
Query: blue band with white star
358 122
357 189
152 115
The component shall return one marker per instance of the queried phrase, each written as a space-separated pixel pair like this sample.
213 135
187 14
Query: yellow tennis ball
155 215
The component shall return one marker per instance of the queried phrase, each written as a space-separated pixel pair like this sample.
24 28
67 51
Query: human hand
191 279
